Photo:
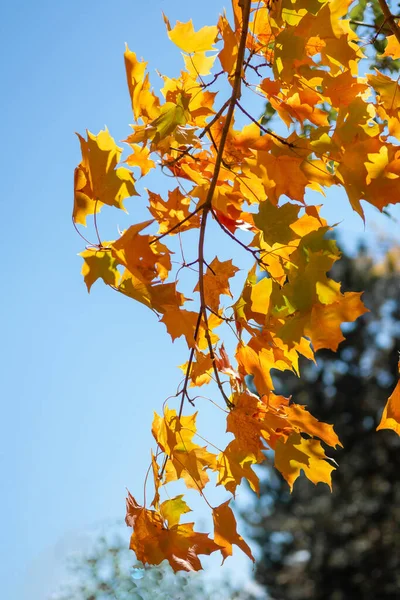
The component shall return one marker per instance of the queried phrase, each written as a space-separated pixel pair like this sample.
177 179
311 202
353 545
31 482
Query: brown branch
207 205
203 308
390 19
370 25
189 366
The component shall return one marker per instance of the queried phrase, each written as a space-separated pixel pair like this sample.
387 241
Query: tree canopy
338 125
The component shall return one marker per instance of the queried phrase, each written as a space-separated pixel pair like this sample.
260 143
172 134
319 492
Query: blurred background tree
316 545
108 571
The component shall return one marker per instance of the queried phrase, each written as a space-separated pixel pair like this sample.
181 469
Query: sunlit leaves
234 179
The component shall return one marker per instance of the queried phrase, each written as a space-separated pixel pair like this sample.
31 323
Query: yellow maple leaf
187 39
172 510
140 158
326 319
142 258
170 213
145 104
98 180
298 454
99 264
387 88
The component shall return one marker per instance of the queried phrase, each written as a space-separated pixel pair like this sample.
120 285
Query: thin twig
189 366
82 236
264 129
95 223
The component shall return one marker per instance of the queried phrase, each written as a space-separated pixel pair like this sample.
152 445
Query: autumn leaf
140 158
172 212
225 533
301 418
391 413
300 454
99 264
234 464
173 509
140 255
181 322
189 40
216 281
190 465
98 180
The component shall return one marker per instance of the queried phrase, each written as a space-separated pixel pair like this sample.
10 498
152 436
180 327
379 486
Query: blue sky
81 373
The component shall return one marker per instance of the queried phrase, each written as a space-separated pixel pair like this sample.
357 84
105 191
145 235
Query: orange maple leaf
225 533
153 542
391 413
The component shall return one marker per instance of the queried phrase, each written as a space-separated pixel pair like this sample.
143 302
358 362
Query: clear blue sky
81 374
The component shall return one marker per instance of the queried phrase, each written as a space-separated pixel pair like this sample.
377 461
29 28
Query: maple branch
236 93
390 19
381 28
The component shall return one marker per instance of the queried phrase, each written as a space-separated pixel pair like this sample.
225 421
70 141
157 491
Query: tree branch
390 19
207 205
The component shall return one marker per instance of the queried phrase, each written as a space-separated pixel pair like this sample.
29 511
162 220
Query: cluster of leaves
367 19
304 59
318 546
